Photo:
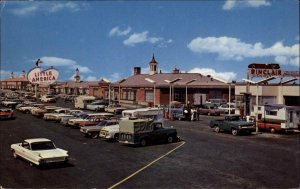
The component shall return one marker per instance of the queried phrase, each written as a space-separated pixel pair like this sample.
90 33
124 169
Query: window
149 96
129 95
273 113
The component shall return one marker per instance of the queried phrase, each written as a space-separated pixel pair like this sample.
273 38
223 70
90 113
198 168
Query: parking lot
204 159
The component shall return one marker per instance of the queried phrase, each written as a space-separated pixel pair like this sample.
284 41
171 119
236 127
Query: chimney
136 70
11 74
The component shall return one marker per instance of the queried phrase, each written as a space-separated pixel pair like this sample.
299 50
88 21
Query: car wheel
170 139
14 154
116 137
217 129
144 142
94 135
272 130
234 132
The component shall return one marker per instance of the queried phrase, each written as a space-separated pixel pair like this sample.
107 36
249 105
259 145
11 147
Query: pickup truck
233 124
144 132
94 131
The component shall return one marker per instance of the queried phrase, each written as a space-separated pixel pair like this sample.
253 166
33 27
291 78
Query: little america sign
44 77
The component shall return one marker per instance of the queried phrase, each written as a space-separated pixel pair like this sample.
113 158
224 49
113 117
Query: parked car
91 117
225 108
233 124
114 108
48 98
6 113
39 151
98 105
209 110
145 131
110 132
94 131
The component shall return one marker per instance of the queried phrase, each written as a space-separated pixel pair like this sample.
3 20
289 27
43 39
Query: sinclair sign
44 77
269 70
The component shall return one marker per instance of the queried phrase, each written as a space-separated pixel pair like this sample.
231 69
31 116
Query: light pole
186 93
154 91
109 93
170 100
121 81
257 83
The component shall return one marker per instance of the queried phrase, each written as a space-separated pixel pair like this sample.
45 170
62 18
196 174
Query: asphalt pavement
204 159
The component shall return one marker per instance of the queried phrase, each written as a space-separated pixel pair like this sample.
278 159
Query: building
15 83
162 88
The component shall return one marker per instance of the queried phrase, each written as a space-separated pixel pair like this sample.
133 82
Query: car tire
94 135
234 132
272 130
144 142
14 154
116 137
170 139
217 129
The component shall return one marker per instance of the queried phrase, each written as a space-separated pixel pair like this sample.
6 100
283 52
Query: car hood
241 123
51 153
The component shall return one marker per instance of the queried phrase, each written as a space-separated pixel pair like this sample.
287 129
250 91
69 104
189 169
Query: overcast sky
107 39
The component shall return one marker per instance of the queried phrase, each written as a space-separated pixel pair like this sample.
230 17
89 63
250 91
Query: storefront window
149 96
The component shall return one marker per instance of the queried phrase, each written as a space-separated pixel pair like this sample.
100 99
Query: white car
96 106
48 98
57 114
39 151
110 132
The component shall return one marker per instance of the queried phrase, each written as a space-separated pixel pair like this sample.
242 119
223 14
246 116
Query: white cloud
91 78
29 8
230 4
227 76
114 77
229 48
137 38
63 62
117 32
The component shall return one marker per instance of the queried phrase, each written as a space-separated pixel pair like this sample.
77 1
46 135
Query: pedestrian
192 114
198 114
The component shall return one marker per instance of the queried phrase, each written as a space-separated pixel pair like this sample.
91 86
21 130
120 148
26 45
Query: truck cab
144 132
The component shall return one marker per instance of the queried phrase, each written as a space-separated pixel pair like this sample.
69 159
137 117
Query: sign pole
35 90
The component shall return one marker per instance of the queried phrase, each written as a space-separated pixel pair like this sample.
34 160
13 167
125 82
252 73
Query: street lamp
154 85
256 100
171 82
186 93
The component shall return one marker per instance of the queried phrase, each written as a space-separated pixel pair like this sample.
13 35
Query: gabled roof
16 79
201 80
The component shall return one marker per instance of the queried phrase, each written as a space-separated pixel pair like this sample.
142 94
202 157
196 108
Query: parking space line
145 167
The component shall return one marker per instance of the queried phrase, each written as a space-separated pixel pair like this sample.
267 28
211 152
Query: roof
81 84
15 79
201 80
37 140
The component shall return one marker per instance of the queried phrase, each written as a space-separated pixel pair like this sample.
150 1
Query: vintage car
225 108
39 151
6 113
114 108
94 131
90 119
9 103
27 109
110 132
39 112
233 124
98 105
145 131
209 110
48 98
55 115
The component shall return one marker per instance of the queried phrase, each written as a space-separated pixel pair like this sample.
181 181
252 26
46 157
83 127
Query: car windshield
47 145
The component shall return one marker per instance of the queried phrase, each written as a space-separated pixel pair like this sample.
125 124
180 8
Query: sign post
42 77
